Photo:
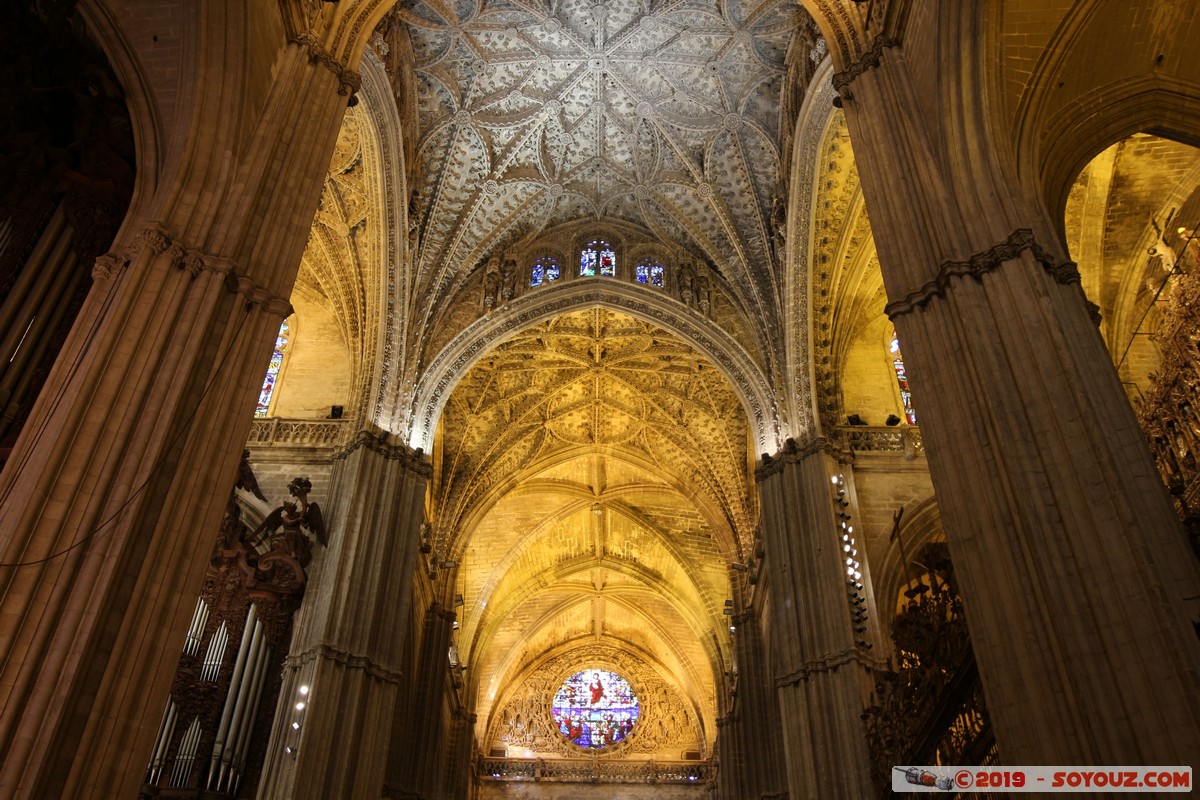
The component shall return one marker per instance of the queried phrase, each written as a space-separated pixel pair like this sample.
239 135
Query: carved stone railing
299 432
594 770
900 439
1168 412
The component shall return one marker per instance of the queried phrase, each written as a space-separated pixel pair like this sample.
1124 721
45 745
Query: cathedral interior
663 398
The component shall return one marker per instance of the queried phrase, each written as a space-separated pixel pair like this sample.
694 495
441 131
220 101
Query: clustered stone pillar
821 672
113 490
461 753
341 682
420 747
1073 569
752 760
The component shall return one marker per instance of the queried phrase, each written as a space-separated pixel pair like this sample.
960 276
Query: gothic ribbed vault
591 483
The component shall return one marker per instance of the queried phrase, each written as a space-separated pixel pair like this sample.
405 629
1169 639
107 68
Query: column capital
349 80
867 60
793 452
357 661
413 459
981 263
830 662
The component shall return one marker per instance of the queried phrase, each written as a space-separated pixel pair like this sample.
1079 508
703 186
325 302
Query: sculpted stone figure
703 293
491 284
508 279
687 285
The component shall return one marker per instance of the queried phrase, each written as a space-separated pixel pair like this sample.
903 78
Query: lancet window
598 258
902 378
268 387
545 270
649 272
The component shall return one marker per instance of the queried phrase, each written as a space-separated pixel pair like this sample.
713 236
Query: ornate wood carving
930 708
1168 411
264 568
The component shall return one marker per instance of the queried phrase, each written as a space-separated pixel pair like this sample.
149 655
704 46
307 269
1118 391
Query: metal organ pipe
187 754
238 751
240 712
191 645
247 653
166 730
216 653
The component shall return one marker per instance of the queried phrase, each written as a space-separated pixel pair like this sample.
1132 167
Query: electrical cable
162 459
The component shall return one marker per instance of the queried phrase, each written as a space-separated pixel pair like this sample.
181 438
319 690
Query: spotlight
892 421
855 419
837 101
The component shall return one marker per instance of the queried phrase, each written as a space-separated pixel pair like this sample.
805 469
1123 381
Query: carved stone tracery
666 727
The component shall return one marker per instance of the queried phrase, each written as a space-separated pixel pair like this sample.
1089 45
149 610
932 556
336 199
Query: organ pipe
238 754
166 730
247 652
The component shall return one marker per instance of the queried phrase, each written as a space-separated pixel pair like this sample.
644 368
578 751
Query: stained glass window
649 271
595 708
545 269
902 379
598 258
268 387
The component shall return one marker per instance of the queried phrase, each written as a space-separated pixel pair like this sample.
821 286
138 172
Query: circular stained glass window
595 708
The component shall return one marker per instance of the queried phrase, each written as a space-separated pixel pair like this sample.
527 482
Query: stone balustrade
903 439
299 432
594 770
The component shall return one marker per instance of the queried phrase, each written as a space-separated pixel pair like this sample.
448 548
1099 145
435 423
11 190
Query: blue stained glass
587 263
650 272
268 387
595 708
545 269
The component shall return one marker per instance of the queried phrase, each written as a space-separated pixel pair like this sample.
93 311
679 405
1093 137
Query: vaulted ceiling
592 483
536 113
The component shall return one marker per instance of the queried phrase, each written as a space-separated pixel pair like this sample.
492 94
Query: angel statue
285 525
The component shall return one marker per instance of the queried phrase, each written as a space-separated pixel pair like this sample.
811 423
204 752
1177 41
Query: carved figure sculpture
491 284
508 279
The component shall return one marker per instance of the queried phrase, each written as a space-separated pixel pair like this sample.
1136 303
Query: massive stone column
333 723
461 755
113 492
752 761
820 662
1073 568
420 737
